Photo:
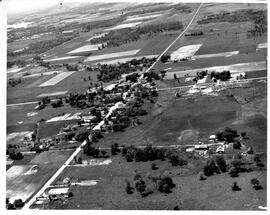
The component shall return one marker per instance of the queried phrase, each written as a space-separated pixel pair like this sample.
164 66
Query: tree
235 187
79 161
18 203
233 172
174 160
103 152
237 145
70 194
129 189
153 166
221 163
256 184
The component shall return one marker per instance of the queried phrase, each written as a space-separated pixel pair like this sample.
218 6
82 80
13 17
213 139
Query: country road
60 170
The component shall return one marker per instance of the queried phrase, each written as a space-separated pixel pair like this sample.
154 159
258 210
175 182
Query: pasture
109 192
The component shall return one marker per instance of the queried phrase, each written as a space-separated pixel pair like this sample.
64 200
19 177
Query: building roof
57 191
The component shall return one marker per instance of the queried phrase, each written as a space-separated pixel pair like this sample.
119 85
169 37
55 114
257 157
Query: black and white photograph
134 105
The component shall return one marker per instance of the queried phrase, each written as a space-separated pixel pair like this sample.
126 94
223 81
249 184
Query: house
201 147
220 150
58 193
212 138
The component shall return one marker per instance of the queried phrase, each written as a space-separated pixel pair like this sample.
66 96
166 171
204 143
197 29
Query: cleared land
126 25
111 55
56 79
185 52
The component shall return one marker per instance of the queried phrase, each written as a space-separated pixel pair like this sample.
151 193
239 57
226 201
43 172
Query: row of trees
114 71
122 36
243 15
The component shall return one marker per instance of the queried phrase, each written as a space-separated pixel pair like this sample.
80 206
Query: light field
15 70
262 46
140 18
96 36
126 25
18 136
65 117
233 68
62 58
124 60
52 94
223 54
15 173
86 48
111 55
185 52
56 79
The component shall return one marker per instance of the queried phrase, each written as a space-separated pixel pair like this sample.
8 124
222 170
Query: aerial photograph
136 105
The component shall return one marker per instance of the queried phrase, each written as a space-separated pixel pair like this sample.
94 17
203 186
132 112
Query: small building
220 150
58 193
201 147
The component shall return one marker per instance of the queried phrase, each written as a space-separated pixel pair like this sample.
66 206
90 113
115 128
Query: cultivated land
171 123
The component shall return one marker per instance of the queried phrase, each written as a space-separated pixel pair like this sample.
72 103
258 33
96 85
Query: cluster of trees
110 72
196 33
149 153
223 76
57 103
13 152
165 58
119 37
260 25
19 63
244 15
17 204
227 135
14 81
176 161
215 165
163 184
71 67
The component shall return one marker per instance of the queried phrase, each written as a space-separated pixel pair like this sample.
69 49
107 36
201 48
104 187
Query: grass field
212 194
47 162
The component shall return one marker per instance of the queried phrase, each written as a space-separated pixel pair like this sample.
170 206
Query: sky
17 6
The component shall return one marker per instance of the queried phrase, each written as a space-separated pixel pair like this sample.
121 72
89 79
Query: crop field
144 17
111 55
125 25
53 81
23 186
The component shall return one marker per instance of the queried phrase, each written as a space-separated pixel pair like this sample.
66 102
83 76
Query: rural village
128 106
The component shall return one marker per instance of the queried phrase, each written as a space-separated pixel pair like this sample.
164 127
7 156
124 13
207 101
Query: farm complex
137 106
